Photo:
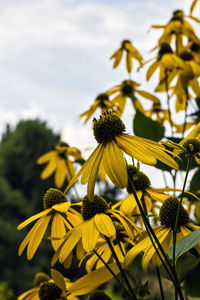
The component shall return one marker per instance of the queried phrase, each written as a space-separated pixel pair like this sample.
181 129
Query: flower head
57 209
101 101
164 233
129 89
109 154
131 53
59 161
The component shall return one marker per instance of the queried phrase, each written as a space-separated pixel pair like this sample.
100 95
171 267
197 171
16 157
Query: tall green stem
160 284
120 267
173 274
179 208
111 271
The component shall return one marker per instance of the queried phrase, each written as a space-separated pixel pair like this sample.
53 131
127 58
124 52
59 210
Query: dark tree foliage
21 193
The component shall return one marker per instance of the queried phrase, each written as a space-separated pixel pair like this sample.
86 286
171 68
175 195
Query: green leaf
147 128
192 283
185 265
185 244
195 182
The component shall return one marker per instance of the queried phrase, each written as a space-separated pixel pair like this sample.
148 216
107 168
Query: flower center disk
107 127
52 197
90 209
168 213
49 291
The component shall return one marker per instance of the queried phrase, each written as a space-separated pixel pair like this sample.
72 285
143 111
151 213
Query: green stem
173 274
179 209
160 284
120 267
111 271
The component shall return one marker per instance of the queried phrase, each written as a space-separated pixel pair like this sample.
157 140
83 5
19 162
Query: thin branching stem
160 284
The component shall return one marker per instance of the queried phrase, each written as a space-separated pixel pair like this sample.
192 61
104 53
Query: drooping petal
91 281
58 230
114 164
60 173
90 235
33 218
148 96
86 168
37 237
105 225
46 157
93 174
129 62
134 149
72 239
49 169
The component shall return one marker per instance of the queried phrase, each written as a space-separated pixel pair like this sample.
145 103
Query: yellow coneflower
169 65
103 250
177 27
164 233
101 101
109 154
190 144
96 223
157 113
58 161
57 209
32 294
129 89
85 284
131 53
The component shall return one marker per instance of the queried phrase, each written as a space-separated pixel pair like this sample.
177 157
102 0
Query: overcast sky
54 56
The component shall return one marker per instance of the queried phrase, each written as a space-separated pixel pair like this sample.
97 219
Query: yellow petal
28 236
49 169
152 69
135 150
104 225
118 58
90 235
129 62
93 174
62 207
114 164
91 281
60 173
58 279
128 205
57 230
37 237
72 239
46 157
148 96
33 218
85 170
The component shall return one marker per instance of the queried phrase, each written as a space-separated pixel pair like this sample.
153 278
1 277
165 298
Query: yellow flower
131 53
129 89
164 233
187 78
109 154
59 162
96 223
85 284
104 251
32 294
179 28
57 209
157 113
101 101
169 65
190 144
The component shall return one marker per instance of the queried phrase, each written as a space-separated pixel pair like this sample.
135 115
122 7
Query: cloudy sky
54 56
